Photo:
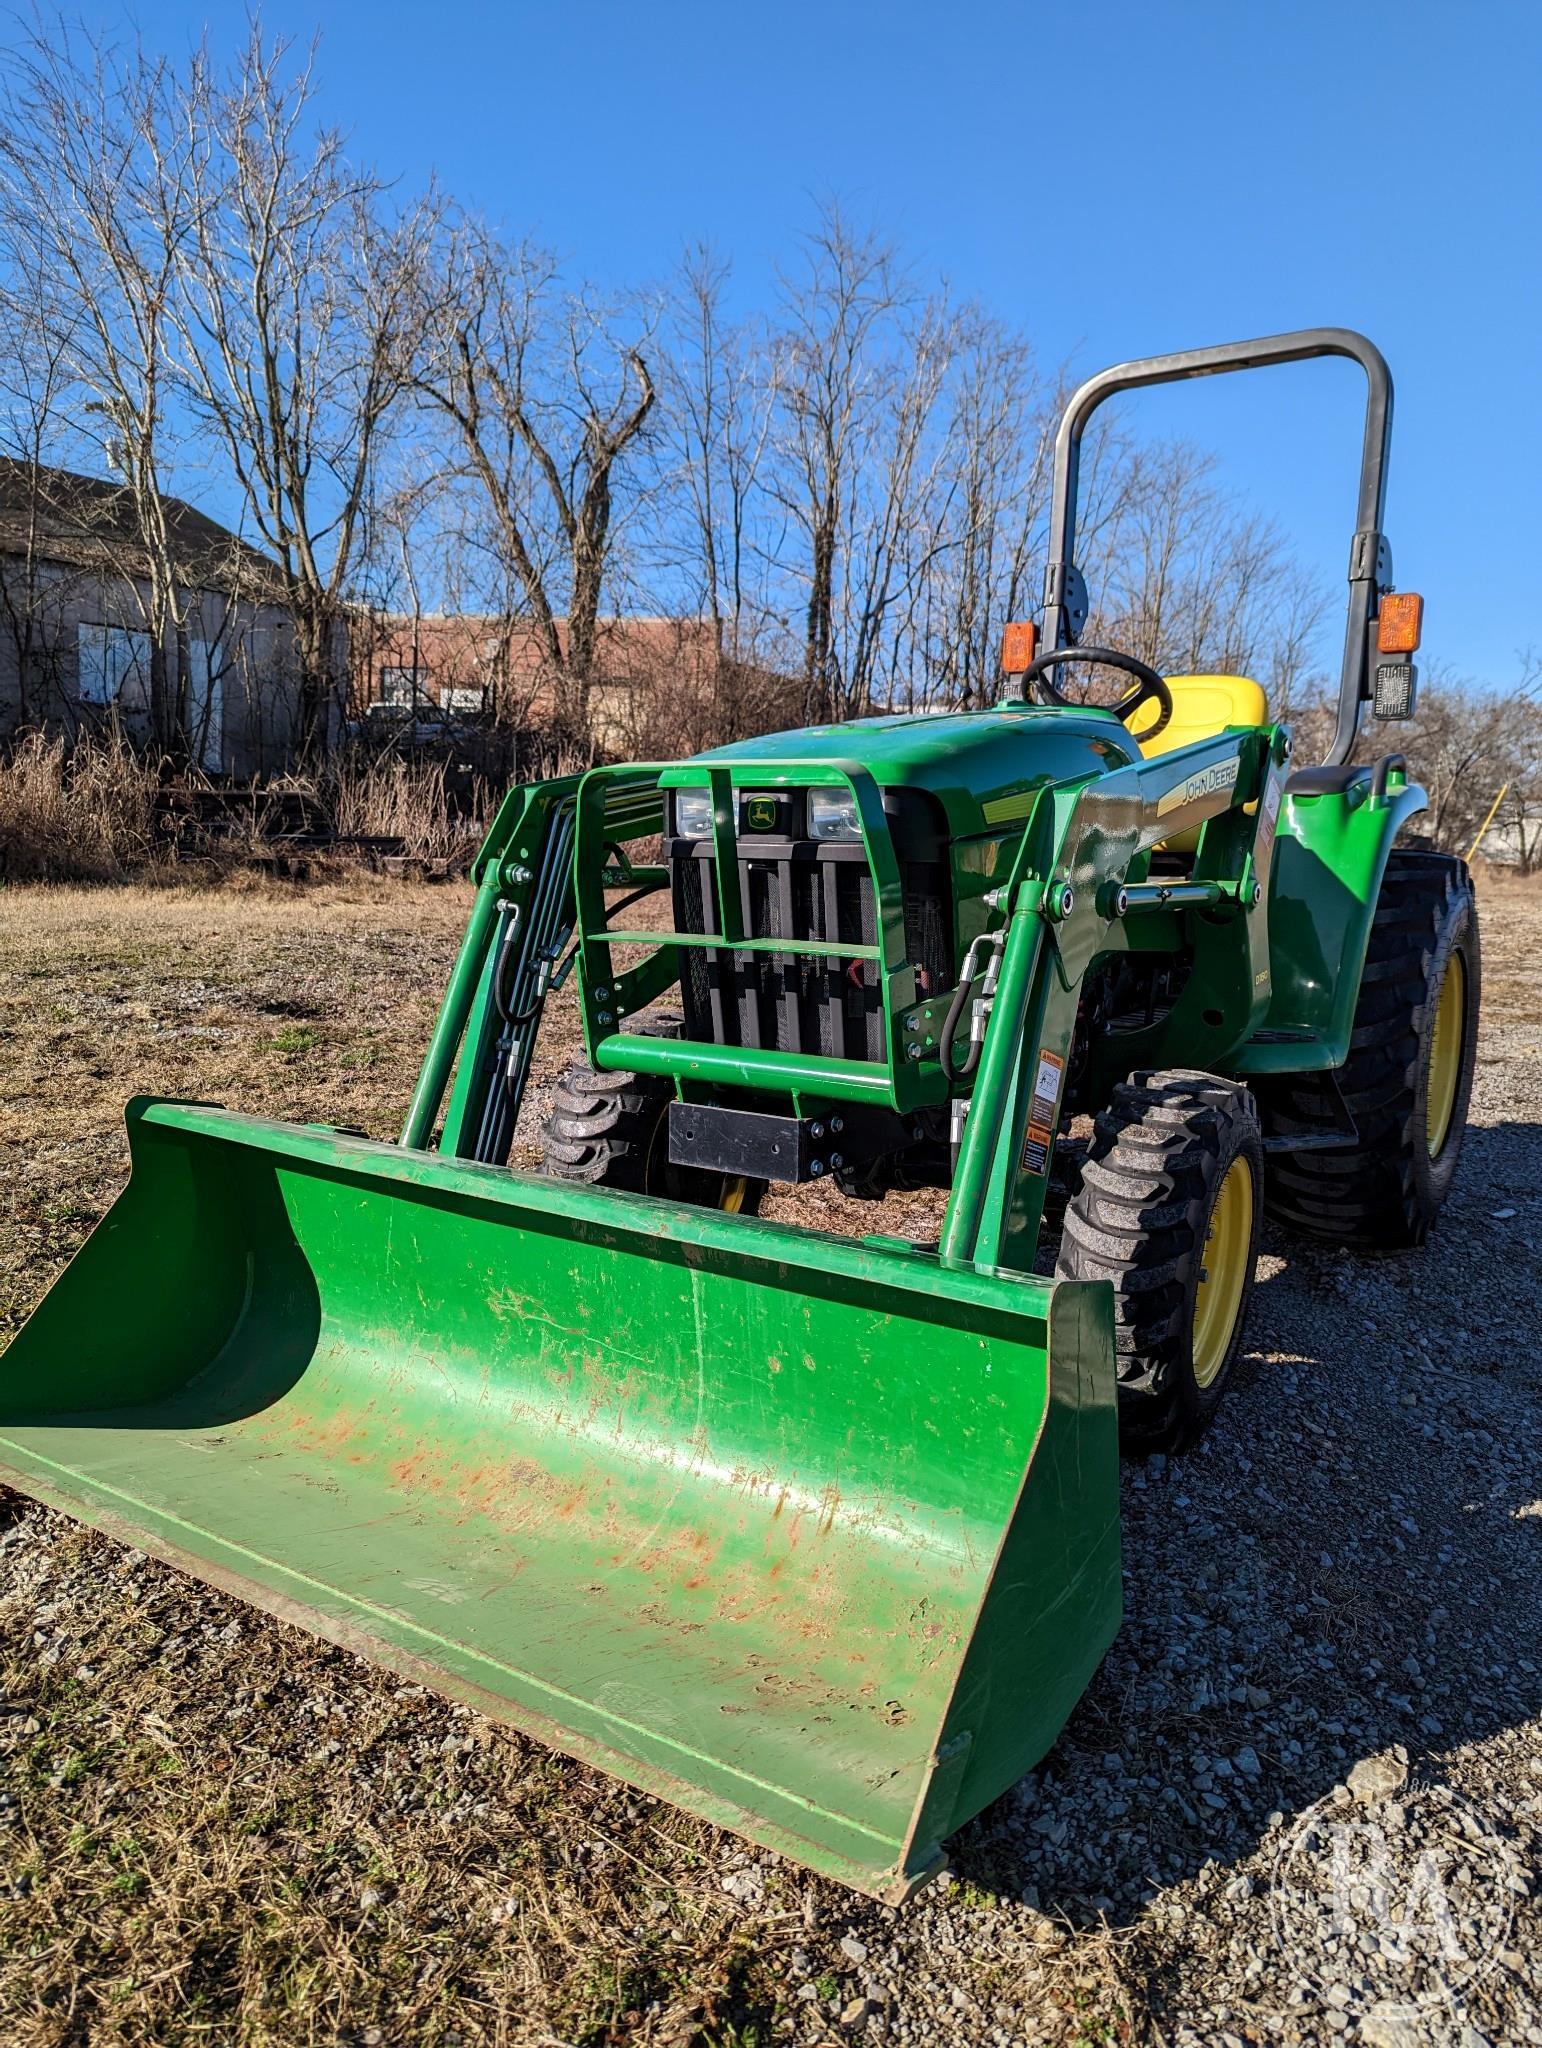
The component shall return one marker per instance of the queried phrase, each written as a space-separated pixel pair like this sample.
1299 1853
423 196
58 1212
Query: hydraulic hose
982 1132
961 998
963 995
519 989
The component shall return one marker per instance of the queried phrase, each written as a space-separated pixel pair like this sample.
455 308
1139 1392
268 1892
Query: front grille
792 1002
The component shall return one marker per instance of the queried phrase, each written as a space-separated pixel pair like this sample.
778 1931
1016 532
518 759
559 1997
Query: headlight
832 814
693 813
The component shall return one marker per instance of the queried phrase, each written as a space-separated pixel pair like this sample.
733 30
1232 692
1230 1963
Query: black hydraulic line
506 954
637 895
518 991
962 996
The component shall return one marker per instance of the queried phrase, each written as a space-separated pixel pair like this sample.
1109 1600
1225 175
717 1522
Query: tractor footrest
784 1148
1312 1141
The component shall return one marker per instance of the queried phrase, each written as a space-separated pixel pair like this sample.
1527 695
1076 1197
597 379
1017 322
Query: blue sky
1117 178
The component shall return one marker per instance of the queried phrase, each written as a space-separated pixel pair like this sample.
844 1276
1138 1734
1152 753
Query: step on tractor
815 1534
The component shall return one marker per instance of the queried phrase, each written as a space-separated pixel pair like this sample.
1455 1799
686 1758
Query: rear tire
610 1130
1408 1078
1173 1178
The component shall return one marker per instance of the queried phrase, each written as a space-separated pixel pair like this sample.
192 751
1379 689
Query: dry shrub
88 812
402 798
82 813
666 712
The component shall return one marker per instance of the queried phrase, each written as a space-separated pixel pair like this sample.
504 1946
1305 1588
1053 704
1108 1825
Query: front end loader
816 1535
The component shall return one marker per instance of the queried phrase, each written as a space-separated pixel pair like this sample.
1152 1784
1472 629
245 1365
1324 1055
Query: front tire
1408 1078
610 1130
1168 1210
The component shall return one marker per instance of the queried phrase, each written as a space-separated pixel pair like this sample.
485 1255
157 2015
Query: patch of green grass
613 1994
294 1039
1095 2029
970 1894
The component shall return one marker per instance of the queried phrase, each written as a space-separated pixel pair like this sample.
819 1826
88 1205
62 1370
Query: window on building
401 685
464 697
114 664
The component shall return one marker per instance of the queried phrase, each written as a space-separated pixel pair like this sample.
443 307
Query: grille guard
898 1079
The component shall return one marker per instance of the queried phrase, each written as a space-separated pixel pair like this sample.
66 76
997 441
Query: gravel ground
215 1830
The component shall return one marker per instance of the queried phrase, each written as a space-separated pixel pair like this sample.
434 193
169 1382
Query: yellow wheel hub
1446 1055
1223 1279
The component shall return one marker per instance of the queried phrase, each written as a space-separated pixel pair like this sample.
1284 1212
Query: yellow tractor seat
1202 707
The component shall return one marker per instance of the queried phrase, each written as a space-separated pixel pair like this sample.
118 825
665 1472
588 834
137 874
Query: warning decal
1268 821
1042 1104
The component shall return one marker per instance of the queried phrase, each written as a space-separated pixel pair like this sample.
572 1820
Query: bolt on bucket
817 1539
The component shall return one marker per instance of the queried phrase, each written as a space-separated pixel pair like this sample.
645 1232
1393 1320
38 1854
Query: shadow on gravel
1344 1563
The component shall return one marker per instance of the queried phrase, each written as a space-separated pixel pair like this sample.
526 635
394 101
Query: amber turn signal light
1019 644
1400 623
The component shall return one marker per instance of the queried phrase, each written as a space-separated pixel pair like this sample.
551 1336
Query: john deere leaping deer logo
760 813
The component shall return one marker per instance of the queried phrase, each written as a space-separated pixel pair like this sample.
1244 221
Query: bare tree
37 387
979 547
834 377
95 183
854 491
547 391
895 526
294 290
717 408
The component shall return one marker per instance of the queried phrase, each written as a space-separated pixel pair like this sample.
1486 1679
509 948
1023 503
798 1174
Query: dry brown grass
214 1871
86 814
394 796
304 1003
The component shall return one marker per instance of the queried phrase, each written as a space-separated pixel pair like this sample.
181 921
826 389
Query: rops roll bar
1370 558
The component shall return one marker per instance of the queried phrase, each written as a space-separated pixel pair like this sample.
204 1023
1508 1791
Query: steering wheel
1149 682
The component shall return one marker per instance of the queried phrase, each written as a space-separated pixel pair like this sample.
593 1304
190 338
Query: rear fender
1329 859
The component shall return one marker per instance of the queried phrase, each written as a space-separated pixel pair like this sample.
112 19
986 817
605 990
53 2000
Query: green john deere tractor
816 1535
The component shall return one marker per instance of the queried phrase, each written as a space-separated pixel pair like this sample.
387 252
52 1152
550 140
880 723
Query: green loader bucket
817 1539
